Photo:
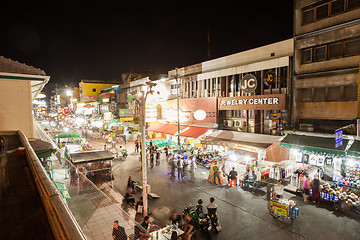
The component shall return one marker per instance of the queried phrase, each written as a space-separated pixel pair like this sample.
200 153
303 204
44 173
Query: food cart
281 207
96 165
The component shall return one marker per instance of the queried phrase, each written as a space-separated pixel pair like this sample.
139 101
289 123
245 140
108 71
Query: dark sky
72 40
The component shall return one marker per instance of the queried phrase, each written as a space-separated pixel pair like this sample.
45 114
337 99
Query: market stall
96 165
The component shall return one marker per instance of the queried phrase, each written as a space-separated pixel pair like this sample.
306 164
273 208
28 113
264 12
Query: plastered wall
16 106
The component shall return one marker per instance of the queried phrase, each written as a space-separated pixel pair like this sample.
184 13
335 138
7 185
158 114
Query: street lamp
178 106
142 103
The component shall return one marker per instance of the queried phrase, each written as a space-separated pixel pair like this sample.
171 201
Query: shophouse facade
223 78
252 89
326 64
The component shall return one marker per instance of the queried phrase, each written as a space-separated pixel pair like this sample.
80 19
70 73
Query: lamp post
178 106
142 104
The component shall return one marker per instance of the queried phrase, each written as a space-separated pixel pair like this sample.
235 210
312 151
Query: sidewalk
94 211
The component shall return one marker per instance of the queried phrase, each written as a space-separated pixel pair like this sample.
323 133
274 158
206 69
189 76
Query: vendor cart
281 207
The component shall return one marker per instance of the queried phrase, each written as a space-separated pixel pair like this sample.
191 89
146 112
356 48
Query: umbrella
67 135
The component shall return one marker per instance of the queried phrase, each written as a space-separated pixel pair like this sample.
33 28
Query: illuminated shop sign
256 102
248 83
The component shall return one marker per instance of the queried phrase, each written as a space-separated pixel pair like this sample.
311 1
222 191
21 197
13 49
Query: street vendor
278 189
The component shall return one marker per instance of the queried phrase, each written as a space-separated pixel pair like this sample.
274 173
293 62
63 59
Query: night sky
72 40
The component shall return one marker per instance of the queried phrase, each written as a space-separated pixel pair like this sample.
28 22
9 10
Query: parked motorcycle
123 154
202 220
215 222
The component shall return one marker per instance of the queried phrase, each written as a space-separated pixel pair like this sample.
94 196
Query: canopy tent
67 135
243 138
42 149
113 121
90 156
313 143
166 128
194 132
354 149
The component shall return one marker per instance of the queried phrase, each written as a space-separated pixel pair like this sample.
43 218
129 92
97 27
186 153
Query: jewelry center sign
256 102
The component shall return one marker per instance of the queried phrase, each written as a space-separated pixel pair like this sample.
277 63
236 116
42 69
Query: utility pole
178 107
143 150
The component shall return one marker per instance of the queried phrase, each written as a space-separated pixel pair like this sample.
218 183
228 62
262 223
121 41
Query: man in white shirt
278 189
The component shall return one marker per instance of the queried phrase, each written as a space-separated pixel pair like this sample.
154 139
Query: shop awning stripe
313 143
194 132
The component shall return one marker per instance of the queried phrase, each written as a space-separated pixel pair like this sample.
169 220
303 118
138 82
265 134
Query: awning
313 143
90 156
243 138
165 128
354 150
194 132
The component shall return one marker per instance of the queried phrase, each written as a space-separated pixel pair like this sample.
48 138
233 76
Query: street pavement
242 214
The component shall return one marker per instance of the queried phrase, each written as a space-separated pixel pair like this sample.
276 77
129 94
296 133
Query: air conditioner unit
227 123
237 123
306 127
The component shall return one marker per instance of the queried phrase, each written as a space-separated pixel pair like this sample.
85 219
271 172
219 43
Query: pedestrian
192 170
136 146
233 177
180 166
278 189
306 183
166 151
216 175
104 146
151 159
158 157
141 231
173 166
139 206
168 164
316 190
118 232
189 228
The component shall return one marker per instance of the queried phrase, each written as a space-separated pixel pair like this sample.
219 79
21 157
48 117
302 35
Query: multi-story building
251 91
89 89
19 85
326 63
267 69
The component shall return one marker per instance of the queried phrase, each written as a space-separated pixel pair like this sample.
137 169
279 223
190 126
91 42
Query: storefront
197 119
316 156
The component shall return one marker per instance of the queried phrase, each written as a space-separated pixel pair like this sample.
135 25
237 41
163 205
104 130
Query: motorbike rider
199 207
212 211
212 207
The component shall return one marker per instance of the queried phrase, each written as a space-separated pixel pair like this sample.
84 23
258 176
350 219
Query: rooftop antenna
208 43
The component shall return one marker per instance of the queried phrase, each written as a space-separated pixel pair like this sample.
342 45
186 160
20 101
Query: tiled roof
11 66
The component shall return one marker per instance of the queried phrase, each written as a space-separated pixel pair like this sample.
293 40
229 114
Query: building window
335 50
320 53
317 11
333 94
352 4
306 95
94 89
306 55
352 47
319 95
337 6
308 16
322 12
350 93
237 83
